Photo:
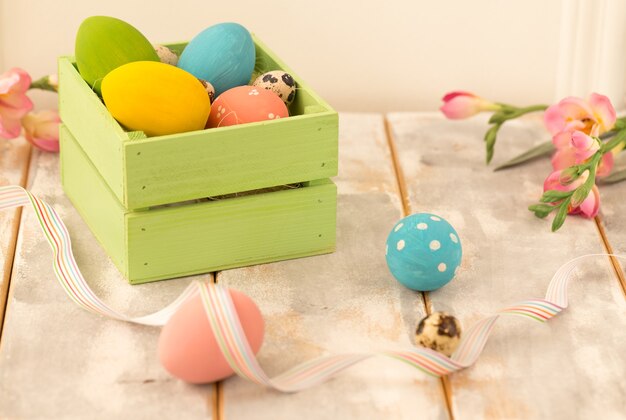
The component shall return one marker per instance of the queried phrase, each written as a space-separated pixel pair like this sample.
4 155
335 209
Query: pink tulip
574 148
458 105
589 207
42 130
14 104
592 117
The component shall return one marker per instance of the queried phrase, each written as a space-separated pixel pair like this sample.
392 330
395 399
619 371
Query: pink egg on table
246 104
188 349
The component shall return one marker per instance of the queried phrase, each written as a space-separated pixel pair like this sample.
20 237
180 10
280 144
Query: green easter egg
104 43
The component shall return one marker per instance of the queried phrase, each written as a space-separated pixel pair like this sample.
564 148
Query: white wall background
370 56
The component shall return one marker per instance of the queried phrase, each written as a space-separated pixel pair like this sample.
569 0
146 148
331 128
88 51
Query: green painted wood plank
235 232
93 199
88 120
171 169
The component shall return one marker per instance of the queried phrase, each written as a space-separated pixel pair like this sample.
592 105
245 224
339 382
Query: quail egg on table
439 331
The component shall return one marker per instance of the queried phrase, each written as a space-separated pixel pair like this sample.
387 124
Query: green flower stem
619 138
506 112
620 123
561 214
560 201
44 84
512 112
518 112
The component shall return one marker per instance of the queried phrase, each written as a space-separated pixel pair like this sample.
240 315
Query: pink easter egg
188 349
246 104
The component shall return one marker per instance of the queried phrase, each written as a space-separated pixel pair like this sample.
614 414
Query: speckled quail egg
166 55
280 83
210 90
439 331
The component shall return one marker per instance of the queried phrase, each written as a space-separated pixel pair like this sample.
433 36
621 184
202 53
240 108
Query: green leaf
581 193
541 210
551 196
615 177
620 123
498 118
542 149
490 141
560 216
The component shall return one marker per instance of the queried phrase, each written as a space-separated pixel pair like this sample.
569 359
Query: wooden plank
170 169
94 200
571 367
59 361
343 302
232 232
88 119
14 156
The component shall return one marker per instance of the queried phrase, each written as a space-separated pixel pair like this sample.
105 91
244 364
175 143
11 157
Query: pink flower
589 207
573 148
458 105
14 104
42 130
594 117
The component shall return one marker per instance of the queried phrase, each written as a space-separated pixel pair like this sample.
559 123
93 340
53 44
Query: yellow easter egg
156 98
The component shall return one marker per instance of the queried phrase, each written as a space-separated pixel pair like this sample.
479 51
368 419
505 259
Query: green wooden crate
144 172
145 198
185 239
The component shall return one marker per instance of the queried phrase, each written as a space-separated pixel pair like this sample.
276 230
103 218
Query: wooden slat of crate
572 367
230 159
341 302
13 171
59 361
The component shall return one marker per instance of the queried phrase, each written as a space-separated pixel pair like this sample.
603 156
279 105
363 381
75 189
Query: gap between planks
617 267
406 211
26 155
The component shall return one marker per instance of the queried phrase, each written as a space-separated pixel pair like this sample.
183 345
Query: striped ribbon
227 328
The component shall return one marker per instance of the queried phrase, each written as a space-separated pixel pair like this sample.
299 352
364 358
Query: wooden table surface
58 361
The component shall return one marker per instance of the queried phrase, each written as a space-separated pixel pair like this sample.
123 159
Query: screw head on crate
423 251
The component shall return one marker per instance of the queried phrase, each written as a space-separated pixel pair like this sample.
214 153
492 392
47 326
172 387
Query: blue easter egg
222 54
423 251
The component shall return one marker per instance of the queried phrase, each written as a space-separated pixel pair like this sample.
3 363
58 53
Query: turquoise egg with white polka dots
423 251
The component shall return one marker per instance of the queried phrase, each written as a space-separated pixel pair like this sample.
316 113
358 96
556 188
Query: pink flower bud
576 147
584 145
42 130
458 105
